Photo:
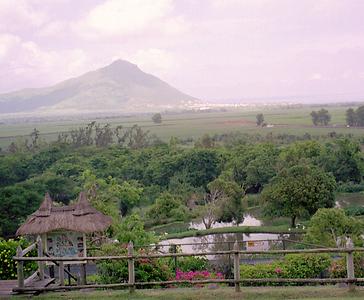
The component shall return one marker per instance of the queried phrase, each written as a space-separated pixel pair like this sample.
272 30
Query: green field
257 293
296 121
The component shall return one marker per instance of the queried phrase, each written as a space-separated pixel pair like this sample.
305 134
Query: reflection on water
222 242
249 220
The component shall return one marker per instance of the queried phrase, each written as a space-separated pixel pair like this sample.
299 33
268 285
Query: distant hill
120 86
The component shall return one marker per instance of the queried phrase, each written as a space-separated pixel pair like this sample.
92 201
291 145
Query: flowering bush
338 267
146 269
7 264
292 266
197 275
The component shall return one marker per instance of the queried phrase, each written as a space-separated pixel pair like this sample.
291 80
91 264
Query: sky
210 49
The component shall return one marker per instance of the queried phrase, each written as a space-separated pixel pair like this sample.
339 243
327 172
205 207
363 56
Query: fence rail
236 253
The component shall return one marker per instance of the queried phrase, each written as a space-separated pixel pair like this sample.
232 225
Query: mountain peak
119 86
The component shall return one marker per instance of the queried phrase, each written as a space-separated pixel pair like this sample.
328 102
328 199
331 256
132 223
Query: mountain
118 87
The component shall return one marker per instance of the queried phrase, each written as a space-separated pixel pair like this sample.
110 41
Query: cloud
153 60
24 63
19 14
114 17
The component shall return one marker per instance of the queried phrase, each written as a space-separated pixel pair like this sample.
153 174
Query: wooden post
350 264
20 269
284 243
230 264
174 249
83 280
40 254
61 273
83 274
131 270
236 267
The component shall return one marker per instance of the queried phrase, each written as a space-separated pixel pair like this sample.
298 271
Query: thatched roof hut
79 217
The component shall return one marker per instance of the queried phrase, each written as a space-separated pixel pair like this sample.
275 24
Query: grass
233 229
256 293
295 121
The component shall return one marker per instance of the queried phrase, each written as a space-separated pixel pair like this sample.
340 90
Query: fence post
40 254
236 267
131 267
61 273
350 264
20 269
83 275
174 249
284 243
230 264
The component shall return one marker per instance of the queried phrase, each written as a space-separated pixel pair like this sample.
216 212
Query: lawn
256 293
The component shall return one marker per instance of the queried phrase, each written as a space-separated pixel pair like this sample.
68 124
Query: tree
351 118
321 117
206 141
253 166
260 119
227 199
331 226
299 191
167 208
132 230
157 118
344 160
360 116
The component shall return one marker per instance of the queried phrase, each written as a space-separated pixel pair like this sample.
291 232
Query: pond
249 220
225 241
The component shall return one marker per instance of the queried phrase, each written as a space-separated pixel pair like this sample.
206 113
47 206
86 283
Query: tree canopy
299 191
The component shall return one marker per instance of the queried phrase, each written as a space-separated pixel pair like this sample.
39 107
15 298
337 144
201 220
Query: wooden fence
235 253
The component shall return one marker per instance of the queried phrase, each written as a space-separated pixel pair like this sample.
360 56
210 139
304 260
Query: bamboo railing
236 253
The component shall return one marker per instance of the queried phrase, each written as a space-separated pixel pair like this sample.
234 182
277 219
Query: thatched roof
79 217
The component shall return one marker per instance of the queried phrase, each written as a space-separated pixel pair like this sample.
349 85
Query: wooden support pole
40 254
61 273
350 264
131 269
83 274
174 249
236 267
20 269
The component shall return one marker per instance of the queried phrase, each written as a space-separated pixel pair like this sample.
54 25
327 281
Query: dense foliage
7 264
292 266
126 171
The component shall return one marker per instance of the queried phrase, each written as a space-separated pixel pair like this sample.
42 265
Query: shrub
306 265
197 275
338 267
7 264
354 211
350 187
145 269
272 270
292 266
192 263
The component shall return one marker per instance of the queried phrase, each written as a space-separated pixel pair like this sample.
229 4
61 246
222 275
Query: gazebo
61 230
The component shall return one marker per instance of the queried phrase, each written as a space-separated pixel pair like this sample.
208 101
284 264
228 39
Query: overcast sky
209 49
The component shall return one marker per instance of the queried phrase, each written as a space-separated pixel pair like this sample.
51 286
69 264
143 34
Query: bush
272 270
306 265
7 264
350 187
292 266
192 263
354 211
197 275
338 267
145 269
